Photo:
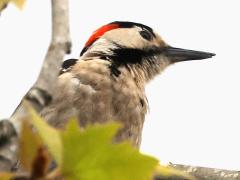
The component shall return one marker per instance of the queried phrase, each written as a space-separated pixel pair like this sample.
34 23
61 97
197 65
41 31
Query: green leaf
90 154
6 176
29 145
49 135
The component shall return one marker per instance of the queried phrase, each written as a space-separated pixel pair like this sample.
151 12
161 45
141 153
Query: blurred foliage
82 154
99 158
17 3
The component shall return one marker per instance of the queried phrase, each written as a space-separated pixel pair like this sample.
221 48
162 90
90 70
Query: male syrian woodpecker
108 81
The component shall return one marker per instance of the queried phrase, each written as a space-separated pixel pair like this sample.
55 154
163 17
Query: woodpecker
107 82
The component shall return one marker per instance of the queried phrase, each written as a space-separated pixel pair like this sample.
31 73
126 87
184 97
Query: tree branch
204 173
60 45
40 94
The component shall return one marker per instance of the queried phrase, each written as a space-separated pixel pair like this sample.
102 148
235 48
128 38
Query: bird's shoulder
67 65
93 65
97 65
85 73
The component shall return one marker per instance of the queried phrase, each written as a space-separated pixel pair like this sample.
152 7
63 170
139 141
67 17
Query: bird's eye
146 35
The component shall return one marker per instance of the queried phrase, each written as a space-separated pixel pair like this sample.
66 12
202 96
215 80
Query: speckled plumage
91 94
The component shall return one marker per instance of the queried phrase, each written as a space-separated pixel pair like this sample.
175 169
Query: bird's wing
80 85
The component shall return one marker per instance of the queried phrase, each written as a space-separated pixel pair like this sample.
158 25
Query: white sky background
194 106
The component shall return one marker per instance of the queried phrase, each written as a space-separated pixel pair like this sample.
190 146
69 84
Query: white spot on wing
75 81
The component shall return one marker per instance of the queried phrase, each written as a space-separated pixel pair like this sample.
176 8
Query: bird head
136 46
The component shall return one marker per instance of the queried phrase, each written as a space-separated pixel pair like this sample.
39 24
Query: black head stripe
127 24
125 55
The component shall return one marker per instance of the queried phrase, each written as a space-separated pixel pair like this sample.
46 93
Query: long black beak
178 54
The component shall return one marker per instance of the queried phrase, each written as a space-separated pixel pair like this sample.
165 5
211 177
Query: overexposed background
194 106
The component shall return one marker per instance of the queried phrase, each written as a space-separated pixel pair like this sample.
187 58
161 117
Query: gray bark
204 173
201 173
40 94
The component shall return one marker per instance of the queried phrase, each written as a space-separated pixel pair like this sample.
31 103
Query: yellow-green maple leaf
90 154
49 135
29 145
6 176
